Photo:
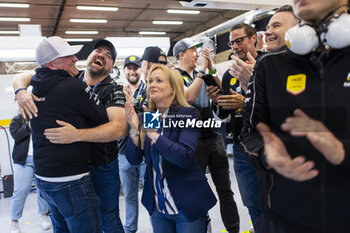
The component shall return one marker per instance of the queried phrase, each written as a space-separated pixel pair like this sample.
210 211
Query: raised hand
242 70
317 133
278 158
131 116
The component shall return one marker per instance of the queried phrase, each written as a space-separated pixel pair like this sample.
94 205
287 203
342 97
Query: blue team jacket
186 181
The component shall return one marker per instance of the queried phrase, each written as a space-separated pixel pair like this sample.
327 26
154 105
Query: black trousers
211 152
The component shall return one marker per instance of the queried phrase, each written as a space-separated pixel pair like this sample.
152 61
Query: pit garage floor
30 222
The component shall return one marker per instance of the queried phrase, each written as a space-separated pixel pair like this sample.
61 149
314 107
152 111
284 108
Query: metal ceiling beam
208 24
59 16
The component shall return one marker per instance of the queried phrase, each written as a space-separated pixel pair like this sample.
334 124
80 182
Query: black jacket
20 131
230 82
67 99
282 82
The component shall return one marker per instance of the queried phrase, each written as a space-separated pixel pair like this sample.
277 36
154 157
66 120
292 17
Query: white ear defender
303 39
338 34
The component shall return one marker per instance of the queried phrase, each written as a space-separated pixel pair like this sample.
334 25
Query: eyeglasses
238 41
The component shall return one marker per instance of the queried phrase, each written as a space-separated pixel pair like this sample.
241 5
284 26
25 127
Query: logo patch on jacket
347 82
186 79
296 84
233 81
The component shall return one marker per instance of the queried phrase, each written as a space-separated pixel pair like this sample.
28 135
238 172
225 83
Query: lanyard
92 87
138 92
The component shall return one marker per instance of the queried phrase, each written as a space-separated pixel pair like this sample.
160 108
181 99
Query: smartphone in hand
210 81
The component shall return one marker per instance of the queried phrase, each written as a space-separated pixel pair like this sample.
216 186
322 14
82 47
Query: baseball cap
132 60
184 44
54 47
108 44
154 54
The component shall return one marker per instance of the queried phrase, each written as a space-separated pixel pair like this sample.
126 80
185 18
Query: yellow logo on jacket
233 81
186 79
296 84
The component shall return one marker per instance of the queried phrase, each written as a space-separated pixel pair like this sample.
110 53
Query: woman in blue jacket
176 192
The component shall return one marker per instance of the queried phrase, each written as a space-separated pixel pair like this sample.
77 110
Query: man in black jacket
242 42
62 171
104 162
298 105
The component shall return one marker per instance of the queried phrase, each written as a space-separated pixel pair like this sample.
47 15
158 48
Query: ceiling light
81 32
17 54
78 39
88 20
151 33
168 22
9 32
190 12
14 19
97 8
14 5
137 45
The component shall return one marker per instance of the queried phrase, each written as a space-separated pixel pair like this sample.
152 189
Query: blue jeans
23 178
130 176
74 205
177 223
247 182
107 186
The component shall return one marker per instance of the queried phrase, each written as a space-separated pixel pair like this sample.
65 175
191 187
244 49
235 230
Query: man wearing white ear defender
297 127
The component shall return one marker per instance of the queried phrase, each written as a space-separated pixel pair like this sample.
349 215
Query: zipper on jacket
323 165
269 193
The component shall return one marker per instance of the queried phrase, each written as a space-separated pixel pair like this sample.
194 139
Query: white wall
8 109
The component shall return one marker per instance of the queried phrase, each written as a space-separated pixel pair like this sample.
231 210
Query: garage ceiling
132 16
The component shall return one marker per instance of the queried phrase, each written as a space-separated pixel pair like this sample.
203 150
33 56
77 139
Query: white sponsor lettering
191 123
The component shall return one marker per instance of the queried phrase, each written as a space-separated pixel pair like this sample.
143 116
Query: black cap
132 60
103 42
154 54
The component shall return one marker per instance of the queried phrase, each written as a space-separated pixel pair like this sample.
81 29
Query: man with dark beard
131 174
104 165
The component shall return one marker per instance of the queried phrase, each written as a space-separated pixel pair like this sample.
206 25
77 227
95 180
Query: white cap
183 45
54 47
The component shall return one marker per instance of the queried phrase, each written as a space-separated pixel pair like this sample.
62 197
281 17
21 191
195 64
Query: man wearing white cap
104 162
62 171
